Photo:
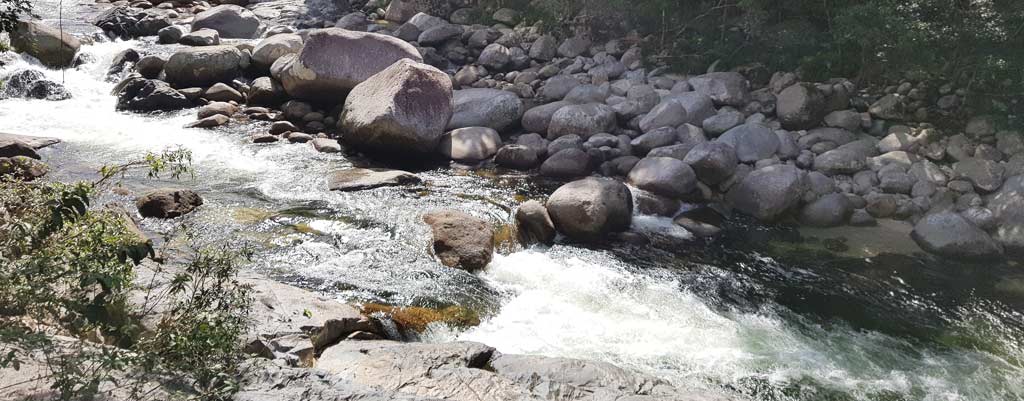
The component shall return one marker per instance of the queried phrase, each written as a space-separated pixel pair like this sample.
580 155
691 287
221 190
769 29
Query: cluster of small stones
827 153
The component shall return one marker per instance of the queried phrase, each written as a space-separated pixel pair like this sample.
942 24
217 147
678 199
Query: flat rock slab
361 179
35 142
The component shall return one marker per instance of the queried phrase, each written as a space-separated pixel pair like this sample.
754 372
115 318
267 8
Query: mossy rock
418 318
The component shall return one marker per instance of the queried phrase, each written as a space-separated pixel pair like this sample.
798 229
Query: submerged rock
461 240
591 208
360 179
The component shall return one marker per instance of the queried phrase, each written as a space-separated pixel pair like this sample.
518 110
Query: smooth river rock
591 208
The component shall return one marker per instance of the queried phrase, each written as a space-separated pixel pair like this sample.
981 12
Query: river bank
763 311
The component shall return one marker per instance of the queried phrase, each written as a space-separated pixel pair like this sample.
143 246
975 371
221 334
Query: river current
764 313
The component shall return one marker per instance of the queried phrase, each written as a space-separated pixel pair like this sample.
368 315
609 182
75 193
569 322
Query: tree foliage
975 43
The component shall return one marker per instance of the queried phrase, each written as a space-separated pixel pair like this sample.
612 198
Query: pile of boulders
824 154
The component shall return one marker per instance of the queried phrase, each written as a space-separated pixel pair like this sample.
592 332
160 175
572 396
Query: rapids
764 313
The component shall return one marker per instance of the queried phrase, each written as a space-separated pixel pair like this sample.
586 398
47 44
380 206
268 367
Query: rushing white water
569 303
559 302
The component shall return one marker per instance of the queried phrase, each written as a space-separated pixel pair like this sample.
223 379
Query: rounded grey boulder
584 120
537 119
202 66
950 234
767 193
800 106
334 60
492 108
566 163
270 49
827 211
713 162
533 224
404 108
470 144
229 20
752 142
663 176
591 208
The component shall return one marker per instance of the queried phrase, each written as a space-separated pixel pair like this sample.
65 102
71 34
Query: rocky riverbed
364 141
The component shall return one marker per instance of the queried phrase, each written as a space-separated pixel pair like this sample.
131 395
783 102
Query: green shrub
67 267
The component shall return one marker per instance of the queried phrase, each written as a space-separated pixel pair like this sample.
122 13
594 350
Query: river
763 313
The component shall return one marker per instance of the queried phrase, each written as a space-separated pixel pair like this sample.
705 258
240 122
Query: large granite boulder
591 208
203 66
229 20
53 48
769 192
404 108
335 60
461 240
491 108
949 234
800 106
